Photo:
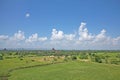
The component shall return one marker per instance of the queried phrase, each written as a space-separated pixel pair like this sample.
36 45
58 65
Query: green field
69 71
59 65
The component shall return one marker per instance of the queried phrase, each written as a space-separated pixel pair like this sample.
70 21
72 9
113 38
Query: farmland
59 65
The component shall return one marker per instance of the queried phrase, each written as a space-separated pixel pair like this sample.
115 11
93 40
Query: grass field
59 65
74 70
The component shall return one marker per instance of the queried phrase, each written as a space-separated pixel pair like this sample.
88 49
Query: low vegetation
15 64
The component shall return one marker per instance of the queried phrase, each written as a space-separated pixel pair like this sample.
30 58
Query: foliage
114 61
11 59
83 56
1 57
98 59
74 58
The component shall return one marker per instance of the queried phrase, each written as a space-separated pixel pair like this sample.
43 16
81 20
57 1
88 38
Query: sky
60 24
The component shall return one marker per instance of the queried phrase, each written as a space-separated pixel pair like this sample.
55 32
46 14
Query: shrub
74 57
21 58
98 59
118 56
33 60
114 61
65 59
1 57
45 59
8 57
83 56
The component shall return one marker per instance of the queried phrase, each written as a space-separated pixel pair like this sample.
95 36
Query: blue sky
49 23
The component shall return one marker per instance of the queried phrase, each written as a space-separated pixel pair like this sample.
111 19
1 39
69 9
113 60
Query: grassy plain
74 70
59 65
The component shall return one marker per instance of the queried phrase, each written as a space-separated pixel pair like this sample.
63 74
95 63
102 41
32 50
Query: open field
59 65
69 71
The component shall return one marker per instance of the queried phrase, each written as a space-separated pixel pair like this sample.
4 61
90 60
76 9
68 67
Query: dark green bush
98 59
21 58
74 58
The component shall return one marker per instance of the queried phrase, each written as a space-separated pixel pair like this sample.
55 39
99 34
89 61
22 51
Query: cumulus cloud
116 41
83 39
95 41
3 37
42 39
101 36
18 36
34 38
57 35
69 36
83 32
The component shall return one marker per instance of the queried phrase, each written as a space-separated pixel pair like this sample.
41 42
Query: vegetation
15 64
74 70
1 57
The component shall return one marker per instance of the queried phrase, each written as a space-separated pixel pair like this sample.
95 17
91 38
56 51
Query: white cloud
3 37
57 35
18 36
116 41
34 38
42 39
69 36
59 40
83 32
101 36
27 15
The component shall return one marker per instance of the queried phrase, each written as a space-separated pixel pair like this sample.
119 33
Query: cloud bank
83 39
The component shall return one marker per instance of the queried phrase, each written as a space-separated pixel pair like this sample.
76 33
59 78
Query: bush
1 57
45 59
114 61
98 59
118 56
74 57
33 60
83 56
65 59
8 57
21 58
